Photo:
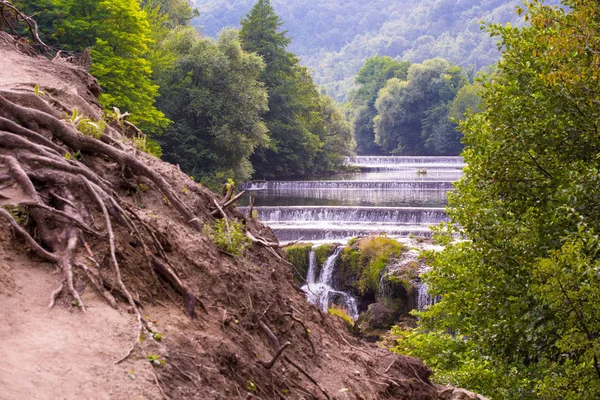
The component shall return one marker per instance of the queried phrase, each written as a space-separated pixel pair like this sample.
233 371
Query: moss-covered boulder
362 262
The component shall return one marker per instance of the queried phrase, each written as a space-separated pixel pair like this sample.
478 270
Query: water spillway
397 196
350 184
393 215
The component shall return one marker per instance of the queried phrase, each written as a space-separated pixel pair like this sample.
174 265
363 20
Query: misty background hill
334 37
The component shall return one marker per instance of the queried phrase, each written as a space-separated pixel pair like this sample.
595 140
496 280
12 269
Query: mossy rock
299 256
362 262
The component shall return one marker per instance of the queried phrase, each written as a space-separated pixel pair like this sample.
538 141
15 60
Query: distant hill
335 37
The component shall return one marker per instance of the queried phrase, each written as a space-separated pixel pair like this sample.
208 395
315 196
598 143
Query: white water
321 293
424 299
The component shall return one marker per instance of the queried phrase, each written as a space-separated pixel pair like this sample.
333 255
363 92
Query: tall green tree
412 115
216 101
295 121
119 35
373 76
520 295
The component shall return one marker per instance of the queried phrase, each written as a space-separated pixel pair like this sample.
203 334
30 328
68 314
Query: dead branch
33 28
260 241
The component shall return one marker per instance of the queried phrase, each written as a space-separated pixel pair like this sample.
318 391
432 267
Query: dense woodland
335 37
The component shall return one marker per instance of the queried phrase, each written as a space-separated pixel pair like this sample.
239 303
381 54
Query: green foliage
370 79
214 96
147 145
367 258
468 99
334 38
299 256
86 126
522 291
228 236
412 115
307 133
118 33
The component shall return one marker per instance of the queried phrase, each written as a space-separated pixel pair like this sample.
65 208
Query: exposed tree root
305 330
276 347
60 191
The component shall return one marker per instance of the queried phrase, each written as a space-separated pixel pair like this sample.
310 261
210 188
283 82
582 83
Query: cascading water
424 299
321 293
396 196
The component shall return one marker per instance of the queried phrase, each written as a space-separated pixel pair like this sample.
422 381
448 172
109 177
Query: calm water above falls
399 196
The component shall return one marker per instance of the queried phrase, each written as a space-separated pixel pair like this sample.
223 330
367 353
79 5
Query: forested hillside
334 38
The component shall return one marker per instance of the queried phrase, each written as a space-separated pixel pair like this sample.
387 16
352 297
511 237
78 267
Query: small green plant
20 214
155 360
228 236
251 386
254 214
37 91
116 116
86 126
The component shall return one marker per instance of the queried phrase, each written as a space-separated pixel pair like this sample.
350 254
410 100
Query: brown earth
211 311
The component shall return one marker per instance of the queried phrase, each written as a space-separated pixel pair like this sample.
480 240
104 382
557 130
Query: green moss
364 260
299 256
323 252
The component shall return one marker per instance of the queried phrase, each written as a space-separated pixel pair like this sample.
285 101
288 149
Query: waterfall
395 215
406 160
424 299
321 293
391 195
312 266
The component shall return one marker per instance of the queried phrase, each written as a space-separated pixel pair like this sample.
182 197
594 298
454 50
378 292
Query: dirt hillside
115 238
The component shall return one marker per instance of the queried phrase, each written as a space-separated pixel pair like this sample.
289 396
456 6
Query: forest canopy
334 38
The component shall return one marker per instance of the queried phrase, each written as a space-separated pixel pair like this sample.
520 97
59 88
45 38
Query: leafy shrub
228 236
